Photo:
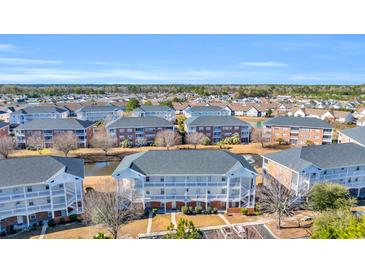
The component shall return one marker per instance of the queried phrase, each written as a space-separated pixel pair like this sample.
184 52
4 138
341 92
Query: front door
173 206
20 220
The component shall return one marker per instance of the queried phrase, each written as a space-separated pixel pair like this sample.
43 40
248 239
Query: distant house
4 116
37 112
138 130
360 122
352 135
34 190
163 112
218 127
47 129
179 107
323 114
298 130
170 179
98 113
4 129
300 168
195 111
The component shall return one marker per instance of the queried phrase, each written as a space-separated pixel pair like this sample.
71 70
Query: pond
100 168
104 168
255 124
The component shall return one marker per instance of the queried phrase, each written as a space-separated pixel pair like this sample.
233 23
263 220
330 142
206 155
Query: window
147 192
162 192
29 189
358 168
162 179
223 191
33 217
47 187
147 179
48 201
61 186
223 179
31 203
325 172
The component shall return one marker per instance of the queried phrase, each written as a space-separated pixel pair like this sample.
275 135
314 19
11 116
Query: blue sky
182 59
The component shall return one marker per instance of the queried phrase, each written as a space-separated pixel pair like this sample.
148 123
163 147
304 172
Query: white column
77 203
240 198
227 200
65 194
51 198
164 191
26 206
143 195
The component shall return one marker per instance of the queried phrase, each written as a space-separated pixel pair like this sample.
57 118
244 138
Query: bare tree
276 198
65 142
258 136
103 141
110 207
6 146
35 142
195 138
167 138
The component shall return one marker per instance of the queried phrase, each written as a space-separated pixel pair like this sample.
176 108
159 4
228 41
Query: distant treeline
240 91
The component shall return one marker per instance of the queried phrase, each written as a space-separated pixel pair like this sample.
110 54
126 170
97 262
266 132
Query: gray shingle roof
298 122
205 108
139 122
31 170
98 108
215 121
41 109
357 133
323 156
180 162
3 124
55 124
153 108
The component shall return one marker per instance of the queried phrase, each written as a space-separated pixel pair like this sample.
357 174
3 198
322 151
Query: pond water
100 168
107 167
254 124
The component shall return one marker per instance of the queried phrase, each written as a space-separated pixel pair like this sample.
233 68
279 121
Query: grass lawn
135 227
239 218
73 231
202 220
160 222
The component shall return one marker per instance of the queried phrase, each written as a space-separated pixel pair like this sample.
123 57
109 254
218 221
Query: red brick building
4 129
47 129
138 130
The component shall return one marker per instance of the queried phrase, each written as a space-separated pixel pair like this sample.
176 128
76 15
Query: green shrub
206 141
101 235
191 210
74 218
184 210
208 210
198 209
62 220
154 211
258 212
51 223
215 210
126 143
244 211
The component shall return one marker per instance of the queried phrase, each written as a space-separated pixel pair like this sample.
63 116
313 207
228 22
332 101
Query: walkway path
43 231
224 219
149 226
173 219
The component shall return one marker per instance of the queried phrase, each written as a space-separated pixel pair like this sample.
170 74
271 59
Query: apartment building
352 135
4 129
298 130
163 112
170 179
99 113
36 189
37 112
194 111
299 168
323 114
47 129
218 127
138 130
